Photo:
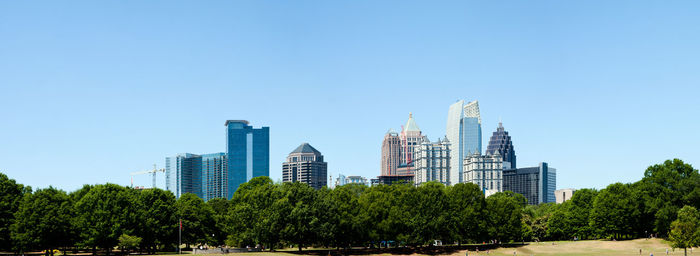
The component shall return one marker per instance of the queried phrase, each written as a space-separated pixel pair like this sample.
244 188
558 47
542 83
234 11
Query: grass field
565 248
656 246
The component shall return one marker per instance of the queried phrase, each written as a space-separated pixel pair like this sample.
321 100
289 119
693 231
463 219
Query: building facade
214 176
394 179
432 162
486 171
305 164
501 142
203 175
562 195
248 151
391 153
343 180
410 137
464 133
537 184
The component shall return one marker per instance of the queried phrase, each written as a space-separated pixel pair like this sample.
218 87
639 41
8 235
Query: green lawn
565 248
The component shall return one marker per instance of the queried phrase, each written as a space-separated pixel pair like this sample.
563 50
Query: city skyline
91 93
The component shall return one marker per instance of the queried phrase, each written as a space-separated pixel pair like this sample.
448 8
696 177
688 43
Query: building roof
236 121
305 148
411 124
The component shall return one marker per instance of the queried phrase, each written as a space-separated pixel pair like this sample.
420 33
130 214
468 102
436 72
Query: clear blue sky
93 90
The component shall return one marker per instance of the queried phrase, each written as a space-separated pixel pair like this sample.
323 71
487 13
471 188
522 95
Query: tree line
274 215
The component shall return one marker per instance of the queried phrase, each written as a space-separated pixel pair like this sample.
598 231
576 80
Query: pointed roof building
502 144
306 148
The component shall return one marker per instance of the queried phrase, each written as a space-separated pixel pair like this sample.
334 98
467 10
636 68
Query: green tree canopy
156 215
197 219
11 194
104 213
505 215
685 231
614 211
43 221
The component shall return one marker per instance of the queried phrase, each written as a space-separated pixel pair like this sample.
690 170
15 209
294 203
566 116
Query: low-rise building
562 195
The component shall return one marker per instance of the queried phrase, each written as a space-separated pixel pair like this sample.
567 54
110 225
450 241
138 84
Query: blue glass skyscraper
464 133
248 151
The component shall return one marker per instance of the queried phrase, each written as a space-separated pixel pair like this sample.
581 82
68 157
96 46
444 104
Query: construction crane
154 171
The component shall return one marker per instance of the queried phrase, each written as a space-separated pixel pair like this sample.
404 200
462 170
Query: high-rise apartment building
214 176
464 134
537 184
305 164
391 153
248 151
501 142
485 171
432 162
203 175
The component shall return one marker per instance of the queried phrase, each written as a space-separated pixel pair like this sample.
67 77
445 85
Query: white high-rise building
432 162
464 134
485 171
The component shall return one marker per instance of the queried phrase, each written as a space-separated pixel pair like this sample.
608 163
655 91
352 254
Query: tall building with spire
305 164
501 142
464 134
391 153
410 137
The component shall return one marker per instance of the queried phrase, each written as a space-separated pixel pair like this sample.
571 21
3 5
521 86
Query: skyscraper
410 138
501 142
305 164
203 175
248 151
464 134
183 174
537 184
214 176
432 162
391 153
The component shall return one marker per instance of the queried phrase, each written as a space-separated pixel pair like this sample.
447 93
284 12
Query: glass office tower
248 152
464 133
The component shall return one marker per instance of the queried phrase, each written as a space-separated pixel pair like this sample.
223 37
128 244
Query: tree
431 221
347 218
297 201
685 231
197 220
255 215
43 221
104 213
664 189
578 214
614 212
129 242
11 194
375 206
156 215
220 206
505 215
466 207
